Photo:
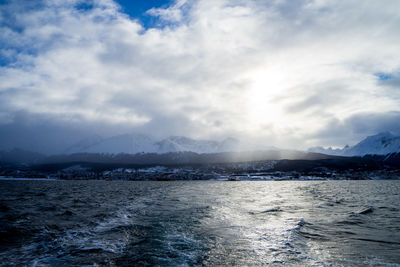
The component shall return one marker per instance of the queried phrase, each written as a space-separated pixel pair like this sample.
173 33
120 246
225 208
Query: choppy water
100 223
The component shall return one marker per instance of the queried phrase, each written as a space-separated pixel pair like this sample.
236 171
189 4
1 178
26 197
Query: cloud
278 72
172 14
357 127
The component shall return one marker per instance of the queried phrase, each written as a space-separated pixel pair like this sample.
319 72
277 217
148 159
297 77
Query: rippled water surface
100 223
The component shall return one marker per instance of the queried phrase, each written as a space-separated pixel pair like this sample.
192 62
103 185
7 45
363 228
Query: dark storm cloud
357 127
50 135
374 123
40 134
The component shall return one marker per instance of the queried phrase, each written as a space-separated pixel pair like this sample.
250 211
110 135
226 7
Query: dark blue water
100 223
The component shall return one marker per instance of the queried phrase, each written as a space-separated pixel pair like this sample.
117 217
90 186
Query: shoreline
197 180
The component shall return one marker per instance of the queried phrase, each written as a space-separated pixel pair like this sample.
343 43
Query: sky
285 73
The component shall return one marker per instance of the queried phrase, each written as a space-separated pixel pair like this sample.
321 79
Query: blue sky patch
85 6
137 10
384 76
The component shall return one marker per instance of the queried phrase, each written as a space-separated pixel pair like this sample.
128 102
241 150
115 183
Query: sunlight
266 87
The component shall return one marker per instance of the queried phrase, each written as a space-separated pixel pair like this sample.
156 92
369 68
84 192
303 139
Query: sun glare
267 86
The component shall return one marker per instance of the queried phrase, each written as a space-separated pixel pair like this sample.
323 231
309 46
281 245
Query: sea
204 223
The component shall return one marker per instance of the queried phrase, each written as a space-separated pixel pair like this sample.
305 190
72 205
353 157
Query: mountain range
140 143
381 144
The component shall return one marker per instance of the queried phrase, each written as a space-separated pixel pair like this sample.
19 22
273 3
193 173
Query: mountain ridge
380 144
140 143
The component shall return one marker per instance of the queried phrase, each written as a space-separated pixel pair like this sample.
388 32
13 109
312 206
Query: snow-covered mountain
380 144
180 143
139 143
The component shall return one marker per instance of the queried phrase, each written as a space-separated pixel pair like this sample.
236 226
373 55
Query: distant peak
380 144
177 137
386 134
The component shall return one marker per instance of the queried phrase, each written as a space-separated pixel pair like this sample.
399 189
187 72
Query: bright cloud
282 72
